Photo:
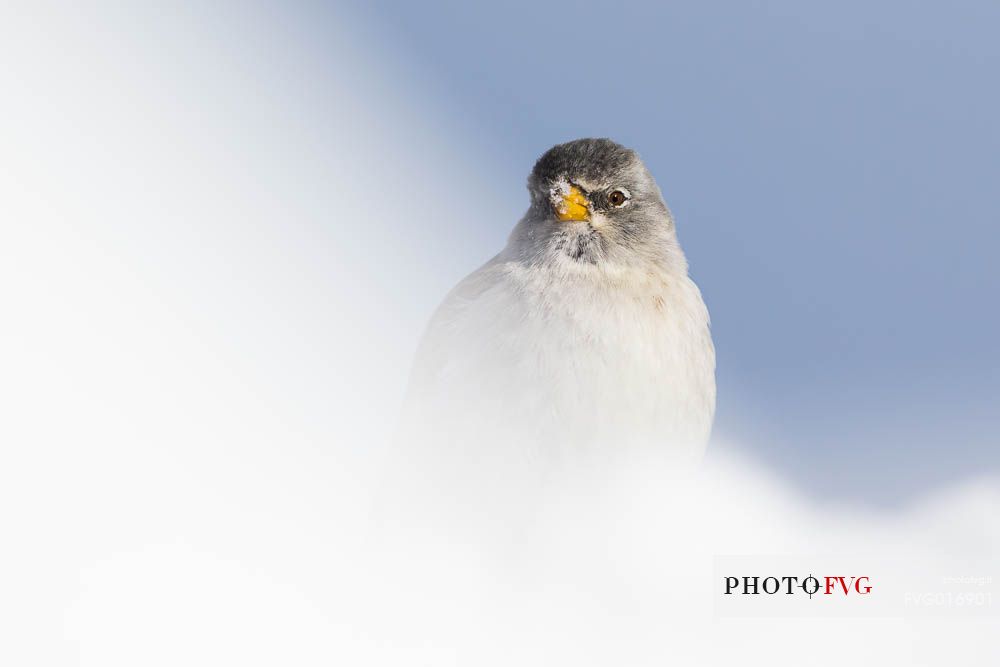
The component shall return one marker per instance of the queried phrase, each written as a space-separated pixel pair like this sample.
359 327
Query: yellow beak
573 206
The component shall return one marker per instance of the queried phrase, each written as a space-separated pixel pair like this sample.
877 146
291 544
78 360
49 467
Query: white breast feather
555 361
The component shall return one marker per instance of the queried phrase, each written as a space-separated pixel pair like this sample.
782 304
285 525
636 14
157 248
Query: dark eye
617 198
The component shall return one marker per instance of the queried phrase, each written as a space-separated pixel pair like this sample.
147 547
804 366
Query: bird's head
593 202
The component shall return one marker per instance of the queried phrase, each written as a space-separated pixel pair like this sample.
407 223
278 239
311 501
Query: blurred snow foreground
199 371
627 564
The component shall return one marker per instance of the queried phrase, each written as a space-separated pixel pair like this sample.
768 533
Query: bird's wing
451 336
460 392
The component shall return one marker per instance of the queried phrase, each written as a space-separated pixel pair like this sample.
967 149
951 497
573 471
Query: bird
583 338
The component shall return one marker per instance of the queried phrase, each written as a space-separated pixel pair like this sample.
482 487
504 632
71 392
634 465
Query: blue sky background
833 169
305 181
